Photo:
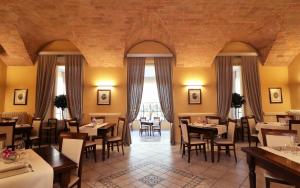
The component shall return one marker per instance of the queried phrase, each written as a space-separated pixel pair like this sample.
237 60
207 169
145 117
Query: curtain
224 85
45 84
135 83
74 85
251 84
163 73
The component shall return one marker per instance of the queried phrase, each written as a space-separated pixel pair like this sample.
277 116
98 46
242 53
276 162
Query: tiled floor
153 162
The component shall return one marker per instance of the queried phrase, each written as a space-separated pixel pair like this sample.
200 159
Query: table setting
222 129
269 125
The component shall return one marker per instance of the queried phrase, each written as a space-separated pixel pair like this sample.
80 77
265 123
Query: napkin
8 170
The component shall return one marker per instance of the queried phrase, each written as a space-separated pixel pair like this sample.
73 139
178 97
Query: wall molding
105 114
197 114
274 113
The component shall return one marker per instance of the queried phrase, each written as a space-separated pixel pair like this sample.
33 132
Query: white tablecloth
222 129
91 130
285 154
23 125
269 125
42 175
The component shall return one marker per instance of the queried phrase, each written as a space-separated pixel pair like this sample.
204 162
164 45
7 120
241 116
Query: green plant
237 102
60 101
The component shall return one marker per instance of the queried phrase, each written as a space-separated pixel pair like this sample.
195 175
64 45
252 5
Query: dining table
281 164
61 165
28 170
269 125
99 129
210 130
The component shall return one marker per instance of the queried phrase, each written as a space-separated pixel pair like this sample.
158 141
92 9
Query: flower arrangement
9 155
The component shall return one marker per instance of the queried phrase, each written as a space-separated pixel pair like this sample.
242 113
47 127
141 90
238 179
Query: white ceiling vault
104 30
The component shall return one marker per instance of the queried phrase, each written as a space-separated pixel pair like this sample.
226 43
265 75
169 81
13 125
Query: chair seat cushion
73 180
195 141
89 143
223 141
33 137
115 138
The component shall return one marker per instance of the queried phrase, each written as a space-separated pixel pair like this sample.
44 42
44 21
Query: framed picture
194 96
103 97
20 96
275 95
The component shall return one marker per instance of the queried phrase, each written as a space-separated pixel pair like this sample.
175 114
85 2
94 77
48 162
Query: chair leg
204 151
118 147
86 153
182 153
219 150
189 154
181 143
197 149
268 182
234 153
122 148
108 149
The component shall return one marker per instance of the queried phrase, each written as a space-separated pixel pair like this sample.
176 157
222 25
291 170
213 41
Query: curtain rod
237 54
59 53
149 55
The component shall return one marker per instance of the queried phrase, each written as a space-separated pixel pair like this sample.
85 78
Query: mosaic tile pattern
151 180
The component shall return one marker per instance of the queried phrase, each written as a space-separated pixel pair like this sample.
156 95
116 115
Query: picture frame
275 95
103 97
20 96
194 96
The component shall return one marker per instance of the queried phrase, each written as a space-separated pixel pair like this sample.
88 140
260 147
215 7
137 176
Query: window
237 88
150 106
60 89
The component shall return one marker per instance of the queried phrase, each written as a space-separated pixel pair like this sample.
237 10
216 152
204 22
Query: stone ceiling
195 30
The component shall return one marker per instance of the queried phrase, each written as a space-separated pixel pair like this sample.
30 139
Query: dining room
150 94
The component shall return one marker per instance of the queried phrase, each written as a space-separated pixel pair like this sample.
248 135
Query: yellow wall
20 77
294 80
2 84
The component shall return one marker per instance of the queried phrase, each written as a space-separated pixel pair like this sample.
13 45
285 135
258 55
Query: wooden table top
278 161
107 126
57 160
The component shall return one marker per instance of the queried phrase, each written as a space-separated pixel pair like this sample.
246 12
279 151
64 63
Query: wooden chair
51 126
252 133
274 138
189 142
36 133
185 120
119 139
89 145
143 127
228 143
67 125
213 120
8 129
295 125
98 119
284 118
156 125
72 146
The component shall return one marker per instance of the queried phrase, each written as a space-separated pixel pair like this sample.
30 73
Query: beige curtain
74 85
163 73
45 84
251 84
224 85
135 83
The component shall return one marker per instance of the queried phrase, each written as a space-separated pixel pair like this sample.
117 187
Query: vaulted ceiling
195 30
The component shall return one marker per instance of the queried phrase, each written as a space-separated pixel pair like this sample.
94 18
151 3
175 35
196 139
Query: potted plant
237 102
61 102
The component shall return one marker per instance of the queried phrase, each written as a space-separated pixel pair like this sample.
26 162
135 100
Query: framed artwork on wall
194 96
103 97
275 95
20 96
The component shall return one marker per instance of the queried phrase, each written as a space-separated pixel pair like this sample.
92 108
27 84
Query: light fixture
105 85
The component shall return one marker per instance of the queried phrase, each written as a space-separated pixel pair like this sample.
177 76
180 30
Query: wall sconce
193 84
105 85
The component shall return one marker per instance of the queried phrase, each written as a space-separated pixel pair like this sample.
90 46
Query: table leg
103 145
27 139
212 149
252 175
65 179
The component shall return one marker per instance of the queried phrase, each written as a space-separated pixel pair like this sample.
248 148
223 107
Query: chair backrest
284 118
185 119
52 122
251 123
143 119
72 146
295 125
8 128
156 121
277 137
121 127
231 127
98 119
36 126
185 133
73 126
213 120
